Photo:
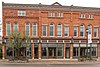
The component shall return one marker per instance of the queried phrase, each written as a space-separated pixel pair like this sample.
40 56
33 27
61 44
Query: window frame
7 28
53 30
36 29
42 30
58 30
29 28
76 31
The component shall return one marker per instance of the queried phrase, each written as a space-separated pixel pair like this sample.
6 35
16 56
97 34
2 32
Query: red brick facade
71 18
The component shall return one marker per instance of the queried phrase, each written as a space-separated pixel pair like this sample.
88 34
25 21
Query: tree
16 41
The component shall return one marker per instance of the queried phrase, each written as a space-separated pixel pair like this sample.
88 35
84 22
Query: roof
54 6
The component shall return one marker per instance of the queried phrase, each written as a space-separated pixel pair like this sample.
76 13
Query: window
82 30
94 51
52 14
75 51
60 14
75 31
44 30
15 27
60 51
90 29
90 16
66 31
21 13
34 29
95 32
82 15
59 31
8 28
27 29
51 29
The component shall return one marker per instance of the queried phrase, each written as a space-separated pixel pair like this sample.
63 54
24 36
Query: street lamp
87 31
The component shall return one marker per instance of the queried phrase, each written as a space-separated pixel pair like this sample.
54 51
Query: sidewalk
48 62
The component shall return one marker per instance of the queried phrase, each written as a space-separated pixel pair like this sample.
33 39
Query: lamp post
87 31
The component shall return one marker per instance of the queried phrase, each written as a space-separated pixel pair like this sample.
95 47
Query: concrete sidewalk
48 62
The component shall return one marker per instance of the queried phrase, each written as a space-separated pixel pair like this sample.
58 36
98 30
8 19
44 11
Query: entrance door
67 52
52 52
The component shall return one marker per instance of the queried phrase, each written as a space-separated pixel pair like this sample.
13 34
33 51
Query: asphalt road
49 65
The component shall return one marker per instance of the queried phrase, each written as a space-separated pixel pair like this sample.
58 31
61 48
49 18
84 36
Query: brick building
56 31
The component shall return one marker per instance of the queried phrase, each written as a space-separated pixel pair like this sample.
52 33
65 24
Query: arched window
59 31
81 30
27 28
8 28
34 29
15 27
51 29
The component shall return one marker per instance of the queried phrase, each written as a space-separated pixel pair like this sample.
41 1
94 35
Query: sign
89 38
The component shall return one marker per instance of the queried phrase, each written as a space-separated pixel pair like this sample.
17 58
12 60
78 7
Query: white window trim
29 29
60 15
36 29
42 30
54 31
21 13
53 14
61 31
68 31
6 28
77 31
17 27
82 16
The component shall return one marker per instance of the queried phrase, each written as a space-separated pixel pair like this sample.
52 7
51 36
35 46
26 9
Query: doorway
67 52
51 52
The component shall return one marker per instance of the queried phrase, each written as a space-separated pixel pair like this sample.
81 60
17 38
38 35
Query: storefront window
44 51
94 51
60 51
75 51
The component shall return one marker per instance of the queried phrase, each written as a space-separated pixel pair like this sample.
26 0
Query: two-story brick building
56 31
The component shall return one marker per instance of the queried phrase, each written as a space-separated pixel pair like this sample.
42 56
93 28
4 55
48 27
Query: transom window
59 31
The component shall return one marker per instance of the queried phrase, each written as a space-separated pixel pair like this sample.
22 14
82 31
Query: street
49 65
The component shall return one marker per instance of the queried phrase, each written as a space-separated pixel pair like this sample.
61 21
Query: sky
84 3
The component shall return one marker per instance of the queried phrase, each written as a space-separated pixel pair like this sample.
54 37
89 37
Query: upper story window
90 29
44 30
90 16
52 30
66 31
8 28
82 15
75 31
81 30
27 30
60 14
52 14
34 29
59 30
95 31
15 27
21 13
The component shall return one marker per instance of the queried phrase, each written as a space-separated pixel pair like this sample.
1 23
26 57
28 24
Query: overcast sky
85 3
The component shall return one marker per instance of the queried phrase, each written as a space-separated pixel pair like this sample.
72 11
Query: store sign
89 38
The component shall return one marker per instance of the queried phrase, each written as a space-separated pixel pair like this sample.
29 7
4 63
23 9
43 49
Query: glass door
52 52
67 52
